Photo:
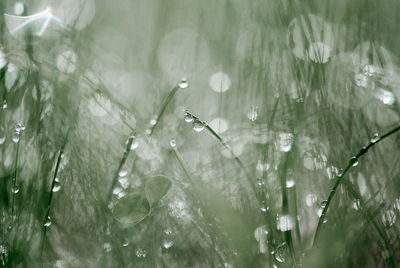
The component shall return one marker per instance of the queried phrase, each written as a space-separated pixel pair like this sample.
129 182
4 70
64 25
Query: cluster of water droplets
141 253
56 186
197 125
47 222
280 253
168 242
284 142
19 128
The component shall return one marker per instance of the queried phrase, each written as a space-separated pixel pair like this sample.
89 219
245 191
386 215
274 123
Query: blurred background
188 133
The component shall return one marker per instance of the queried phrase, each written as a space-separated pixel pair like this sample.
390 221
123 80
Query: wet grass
178 191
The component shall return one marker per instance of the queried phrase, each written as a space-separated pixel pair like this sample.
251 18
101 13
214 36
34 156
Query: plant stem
371 219
352 161
237 159
298 234
46 217
14 182
121 164
285 208
163 107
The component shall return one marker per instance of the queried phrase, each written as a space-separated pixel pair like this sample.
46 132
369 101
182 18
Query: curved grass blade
339 180
223 143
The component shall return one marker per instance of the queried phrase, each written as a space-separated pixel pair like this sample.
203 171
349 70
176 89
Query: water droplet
15 189
285 142
117 190
263 209
168 244
15 137
19 8
124 182
280 253
2 140
167 231
153 122
386 97
5 104
285 223
19 127
325 221
324 203
361 80
47 223
290 183
57 185
122 173
134 145
141 253
354 161
368 70
198 126
188 117
172 143
375 138
357 204
183 83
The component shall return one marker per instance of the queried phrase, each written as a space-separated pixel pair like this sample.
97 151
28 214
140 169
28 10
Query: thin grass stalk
339 180
163 107
371 219
49 202
237 159
191 181
120 165
14 181
267 216
298 234
285 209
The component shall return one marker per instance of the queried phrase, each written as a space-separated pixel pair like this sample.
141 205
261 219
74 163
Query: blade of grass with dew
352 161
237 159
285 205
14 189
48 208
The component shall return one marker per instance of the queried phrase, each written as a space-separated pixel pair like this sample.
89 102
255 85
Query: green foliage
155 189
131 208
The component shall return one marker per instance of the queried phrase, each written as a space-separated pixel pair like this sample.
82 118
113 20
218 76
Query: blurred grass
294 115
